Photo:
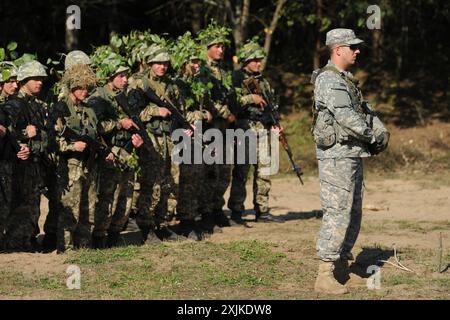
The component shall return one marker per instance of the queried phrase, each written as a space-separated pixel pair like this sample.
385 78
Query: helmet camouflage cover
31 69
76 57
156 53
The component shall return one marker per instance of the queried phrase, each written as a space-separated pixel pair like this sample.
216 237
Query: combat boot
344 275
166 234
267 217
113 239
99 242
236 219
49 242
326 282
190 230
221 220
208 225
149 237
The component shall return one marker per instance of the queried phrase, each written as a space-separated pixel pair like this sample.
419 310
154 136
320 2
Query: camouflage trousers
190 186
341 193
22 224
115 196
50 178
77 187
261 178
159 185
5 197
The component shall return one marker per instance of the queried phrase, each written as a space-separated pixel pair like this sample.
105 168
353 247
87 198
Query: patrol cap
341 36
31 69
76 57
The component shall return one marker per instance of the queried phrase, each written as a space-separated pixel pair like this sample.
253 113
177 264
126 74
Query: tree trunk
71 39
196 21
269 31
318 46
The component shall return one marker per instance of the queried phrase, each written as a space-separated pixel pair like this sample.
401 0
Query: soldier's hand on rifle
127 123
257 99
79 146
24 152
277 130
31 131
164 112
110 157
188 132
231 118
137 140
2 131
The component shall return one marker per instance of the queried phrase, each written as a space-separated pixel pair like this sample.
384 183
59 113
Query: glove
380 144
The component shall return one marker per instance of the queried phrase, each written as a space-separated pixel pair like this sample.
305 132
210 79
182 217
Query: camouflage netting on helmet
184 49
107 63
214 34
251 50
8 70
79 76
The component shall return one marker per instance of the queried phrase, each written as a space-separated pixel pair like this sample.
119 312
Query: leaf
2 54
11 46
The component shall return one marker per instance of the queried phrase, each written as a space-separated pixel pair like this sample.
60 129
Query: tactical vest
159 125
325 130
83 121
119 138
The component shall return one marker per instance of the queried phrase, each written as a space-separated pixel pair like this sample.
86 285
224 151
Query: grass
250 269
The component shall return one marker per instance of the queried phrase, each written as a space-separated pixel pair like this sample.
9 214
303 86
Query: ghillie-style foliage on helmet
134 46
214 34
107 63
184 49
31 69
79 76
76 57
8 70
251 50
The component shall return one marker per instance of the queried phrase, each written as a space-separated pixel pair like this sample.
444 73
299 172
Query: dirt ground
408 214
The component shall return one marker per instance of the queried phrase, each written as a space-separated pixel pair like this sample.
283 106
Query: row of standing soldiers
79 151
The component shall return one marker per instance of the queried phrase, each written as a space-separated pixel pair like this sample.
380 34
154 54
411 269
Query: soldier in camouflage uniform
345 131
192 174
115 190
159 176
218 176
251 119
73 58
29 121
77 161
8 86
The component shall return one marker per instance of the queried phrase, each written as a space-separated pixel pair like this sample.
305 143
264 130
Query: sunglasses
353 47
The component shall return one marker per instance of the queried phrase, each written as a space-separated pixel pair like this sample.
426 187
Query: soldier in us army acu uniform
252 119
345 131
28 116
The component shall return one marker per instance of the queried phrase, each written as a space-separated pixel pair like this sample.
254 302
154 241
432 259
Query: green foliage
214 33
183 49
106 62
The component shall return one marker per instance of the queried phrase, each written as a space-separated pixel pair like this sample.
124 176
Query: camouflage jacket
340 96
220 89
23 110
162 86
109 113
80 118
249 110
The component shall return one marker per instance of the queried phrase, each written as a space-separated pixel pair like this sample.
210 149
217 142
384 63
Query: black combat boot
267 217
221 219
49 242
167 234
113 239
208 225
236 219
99 242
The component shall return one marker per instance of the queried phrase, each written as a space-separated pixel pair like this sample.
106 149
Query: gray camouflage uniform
342 121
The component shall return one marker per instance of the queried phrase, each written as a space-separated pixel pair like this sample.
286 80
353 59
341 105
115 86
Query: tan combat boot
343 274
325 282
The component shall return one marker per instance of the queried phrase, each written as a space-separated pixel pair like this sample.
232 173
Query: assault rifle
271 117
